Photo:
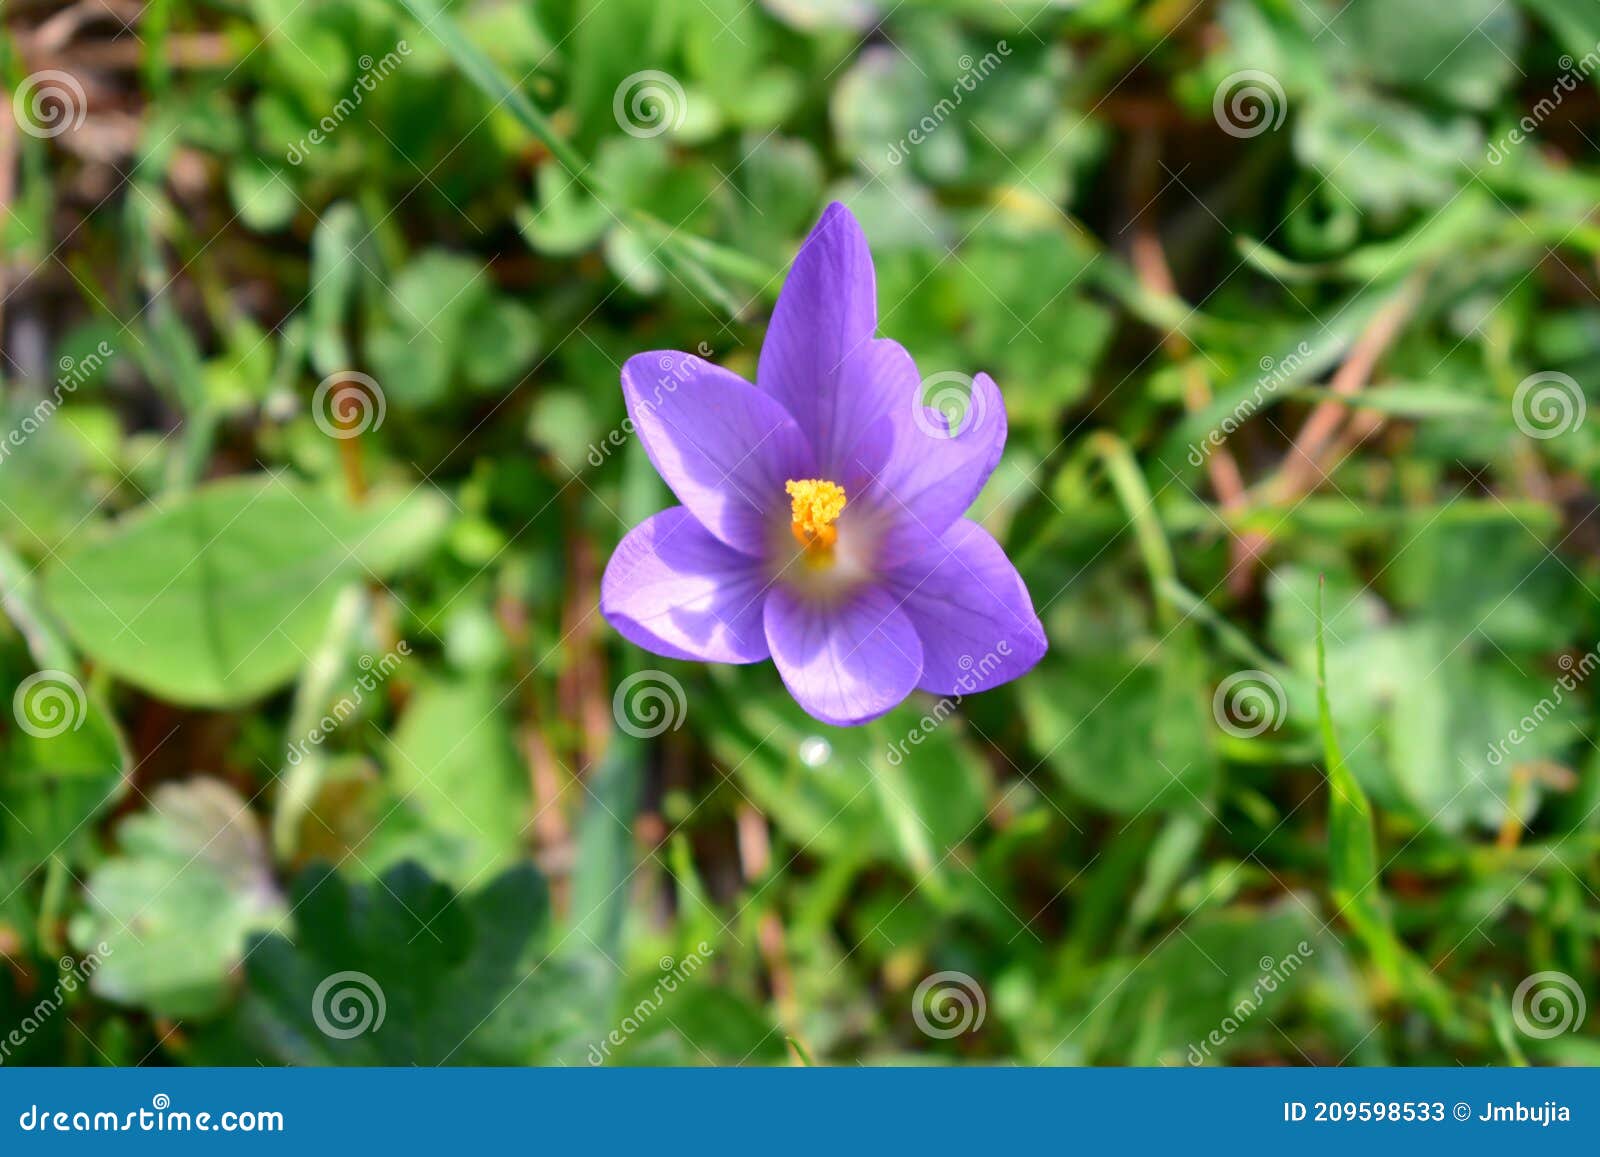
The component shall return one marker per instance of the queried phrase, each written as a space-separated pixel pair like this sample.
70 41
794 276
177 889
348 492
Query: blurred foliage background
337 698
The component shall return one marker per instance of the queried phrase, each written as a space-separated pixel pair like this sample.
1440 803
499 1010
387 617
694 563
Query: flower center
815 505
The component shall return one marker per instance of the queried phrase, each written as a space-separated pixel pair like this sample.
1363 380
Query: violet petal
844 662
675 590
724 447
972 612
827 310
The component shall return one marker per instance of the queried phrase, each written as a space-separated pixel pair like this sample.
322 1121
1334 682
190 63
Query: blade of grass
1353 863
707 258
1134 494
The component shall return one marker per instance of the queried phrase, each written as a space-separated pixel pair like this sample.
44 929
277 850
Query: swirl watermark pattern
347 404
49 703
946 404
1247 703
649 103
1548 404
648 703
347 1004
1548 1004
947 1004
49 103
1249 103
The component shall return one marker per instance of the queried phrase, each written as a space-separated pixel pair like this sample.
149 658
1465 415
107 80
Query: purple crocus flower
821 523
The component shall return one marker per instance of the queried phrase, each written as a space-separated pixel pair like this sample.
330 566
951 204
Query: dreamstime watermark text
677 972
973 74
374 674
1274 372
1573 672
373 72
73 373
675 369
73 974
1274 974
975 672
1574 74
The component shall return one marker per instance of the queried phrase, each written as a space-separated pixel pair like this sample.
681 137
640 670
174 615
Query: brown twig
193 50
1149 261
755 856
552 835
8 163
1301 469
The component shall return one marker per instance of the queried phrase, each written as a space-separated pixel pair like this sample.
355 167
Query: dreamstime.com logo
1548 1004
49 703
648 703
650 103
947 1004
1247 703
1548 404
49 103
347 1004
160 1117
1249 103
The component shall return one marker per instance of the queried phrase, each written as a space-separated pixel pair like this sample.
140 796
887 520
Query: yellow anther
816 505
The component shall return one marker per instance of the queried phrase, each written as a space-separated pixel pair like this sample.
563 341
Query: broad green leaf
217 597
1126 733
401 971
62 755
453 760
173 907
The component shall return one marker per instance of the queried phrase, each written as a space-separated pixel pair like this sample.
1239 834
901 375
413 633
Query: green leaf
403 971
818 782
62 756
216 597
454 761
1352 847
336 271
1127 733
1385 155
57 780
1464 52
173 908
1230 984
